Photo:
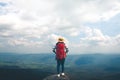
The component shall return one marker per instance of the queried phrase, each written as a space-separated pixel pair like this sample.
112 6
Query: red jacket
60 50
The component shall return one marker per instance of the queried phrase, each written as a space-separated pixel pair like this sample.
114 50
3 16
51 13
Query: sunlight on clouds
54 39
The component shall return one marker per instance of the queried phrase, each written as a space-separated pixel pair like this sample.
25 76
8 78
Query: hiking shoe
58 75
63 74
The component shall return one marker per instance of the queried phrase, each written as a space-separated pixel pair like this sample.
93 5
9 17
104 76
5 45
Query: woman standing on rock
60 50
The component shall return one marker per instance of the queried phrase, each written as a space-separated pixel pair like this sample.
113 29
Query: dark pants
60 62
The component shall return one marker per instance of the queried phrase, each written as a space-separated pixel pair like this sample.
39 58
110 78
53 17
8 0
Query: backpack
60 50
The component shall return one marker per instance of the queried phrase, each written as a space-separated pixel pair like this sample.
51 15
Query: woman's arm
66 50
54 50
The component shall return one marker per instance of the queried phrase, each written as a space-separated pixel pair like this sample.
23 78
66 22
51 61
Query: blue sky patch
2 4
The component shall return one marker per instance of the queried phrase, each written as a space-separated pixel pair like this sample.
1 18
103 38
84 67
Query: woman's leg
62 63
58 66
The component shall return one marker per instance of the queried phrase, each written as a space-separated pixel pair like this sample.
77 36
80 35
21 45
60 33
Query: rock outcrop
55 77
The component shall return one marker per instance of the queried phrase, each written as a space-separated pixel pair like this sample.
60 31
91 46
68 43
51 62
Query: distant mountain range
94 66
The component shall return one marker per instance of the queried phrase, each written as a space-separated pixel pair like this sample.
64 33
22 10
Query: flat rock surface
55 77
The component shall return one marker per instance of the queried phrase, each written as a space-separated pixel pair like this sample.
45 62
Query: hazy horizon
51 53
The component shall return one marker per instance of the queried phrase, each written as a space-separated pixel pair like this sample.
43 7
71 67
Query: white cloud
32 23
96 42
94 34
24 42
97 10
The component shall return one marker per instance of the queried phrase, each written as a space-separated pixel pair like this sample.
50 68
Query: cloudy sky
33 26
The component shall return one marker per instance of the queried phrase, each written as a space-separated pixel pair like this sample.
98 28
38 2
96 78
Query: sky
33 26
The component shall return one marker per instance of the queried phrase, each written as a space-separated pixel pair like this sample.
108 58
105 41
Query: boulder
55 77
